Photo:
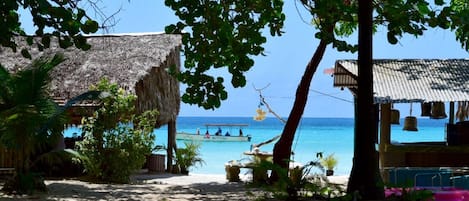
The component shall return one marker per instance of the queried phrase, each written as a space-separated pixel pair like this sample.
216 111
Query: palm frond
5 78
27 106
32 84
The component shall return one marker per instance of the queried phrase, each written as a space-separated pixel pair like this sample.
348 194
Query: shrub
116 140
188 157
302 183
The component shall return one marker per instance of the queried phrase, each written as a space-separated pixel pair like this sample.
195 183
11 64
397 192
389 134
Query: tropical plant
116 141
188 157
329 162
303 183
30 125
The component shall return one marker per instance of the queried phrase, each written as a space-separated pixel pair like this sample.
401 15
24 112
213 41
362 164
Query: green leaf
80 42
423 7
439 2
170 29
13 117
80 13
29 40
25 53
90 26
223 95
392 38
65 42
46 41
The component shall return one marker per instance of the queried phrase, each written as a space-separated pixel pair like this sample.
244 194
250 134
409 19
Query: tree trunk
365 178
282 149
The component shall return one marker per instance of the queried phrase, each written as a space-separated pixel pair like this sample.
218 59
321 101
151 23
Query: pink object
392 191
439 193
466 195
452 195
329 71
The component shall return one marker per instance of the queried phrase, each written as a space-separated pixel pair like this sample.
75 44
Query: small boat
218 136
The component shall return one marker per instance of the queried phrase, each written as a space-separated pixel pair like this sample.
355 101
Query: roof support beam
451 112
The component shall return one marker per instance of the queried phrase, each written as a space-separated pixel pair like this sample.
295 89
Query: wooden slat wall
6 158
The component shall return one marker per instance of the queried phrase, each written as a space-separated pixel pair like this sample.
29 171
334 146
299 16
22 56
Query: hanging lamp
438 110
394 115
462 112
410 122
426 109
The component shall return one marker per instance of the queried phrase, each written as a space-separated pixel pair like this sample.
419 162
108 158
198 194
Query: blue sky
285 62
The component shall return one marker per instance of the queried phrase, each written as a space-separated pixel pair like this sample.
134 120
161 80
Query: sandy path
153 187
147 187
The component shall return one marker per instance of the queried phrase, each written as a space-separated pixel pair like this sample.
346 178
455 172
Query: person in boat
219 132
240 132
198 131
227 133
207 135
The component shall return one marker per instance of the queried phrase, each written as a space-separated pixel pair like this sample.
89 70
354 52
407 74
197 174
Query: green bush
115 140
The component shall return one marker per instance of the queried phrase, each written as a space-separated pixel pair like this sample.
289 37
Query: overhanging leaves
62 17
219 34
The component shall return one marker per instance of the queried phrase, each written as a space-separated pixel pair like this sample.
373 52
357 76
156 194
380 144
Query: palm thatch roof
137 62
410 80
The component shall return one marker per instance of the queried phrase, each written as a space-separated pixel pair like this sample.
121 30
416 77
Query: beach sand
154 187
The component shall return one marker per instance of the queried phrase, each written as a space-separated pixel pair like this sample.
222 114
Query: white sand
154 187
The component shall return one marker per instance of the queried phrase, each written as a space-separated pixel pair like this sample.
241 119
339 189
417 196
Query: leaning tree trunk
365 178
282 149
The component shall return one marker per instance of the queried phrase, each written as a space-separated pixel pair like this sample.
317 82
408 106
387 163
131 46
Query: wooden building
417 81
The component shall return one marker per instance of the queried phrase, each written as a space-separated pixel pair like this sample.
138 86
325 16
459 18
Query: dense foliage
218 34
307 182
116 141
30 120
59 19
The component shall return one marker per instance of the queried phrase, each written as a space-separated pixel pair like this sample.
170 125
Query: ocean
326 135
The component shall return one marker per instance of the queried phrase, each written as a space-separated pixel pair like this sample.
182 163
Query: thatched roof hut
137 62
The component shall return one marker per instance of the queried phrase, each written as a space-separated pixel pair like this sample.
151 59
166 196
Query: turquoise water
327 135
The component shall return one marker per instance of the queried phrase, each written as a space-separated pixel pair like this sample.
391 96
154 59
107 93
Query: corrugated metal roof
411 80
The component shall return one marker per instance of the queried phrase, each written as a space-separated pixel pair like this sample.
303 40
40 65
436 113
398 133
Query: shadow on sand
145 187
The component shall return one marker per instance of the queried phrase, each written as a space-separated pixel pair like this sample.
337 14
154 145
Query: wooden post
451 112
171 145
384 137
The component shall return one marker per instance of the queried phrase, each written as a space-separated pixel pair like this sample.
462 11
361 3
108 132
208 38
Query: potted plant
232 169
188 157
329 162
155 161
